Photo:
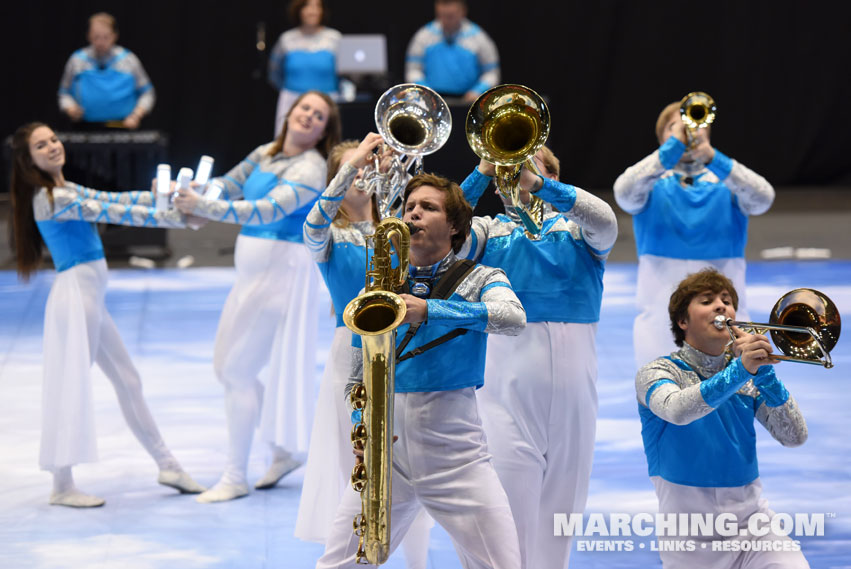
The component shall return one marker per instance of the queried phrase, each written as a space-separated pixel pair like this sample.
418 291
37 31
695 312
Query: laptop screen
362 54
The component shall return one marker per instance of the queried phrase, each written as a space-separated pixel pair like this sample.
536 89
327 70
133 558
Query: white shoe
222 492
76 499
180 481
277 470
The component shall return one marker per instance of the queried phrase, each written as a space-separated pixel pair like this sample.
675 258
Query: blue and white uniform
539 403
78 331
107 88
441 461
452 65
302 62
685 223
697 422
271 314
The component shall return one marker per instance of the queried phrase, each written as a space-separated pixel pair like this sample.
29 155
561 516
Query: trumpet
506 126
804 325
414 121
697 110
375 315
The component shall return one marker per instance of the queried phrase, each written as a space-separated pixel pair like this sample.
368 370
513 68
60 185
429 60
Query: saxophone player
441 462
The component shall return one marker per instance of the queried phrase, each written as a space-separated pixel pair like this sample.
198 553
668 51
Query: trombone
804 325
506 126
697 110
414 121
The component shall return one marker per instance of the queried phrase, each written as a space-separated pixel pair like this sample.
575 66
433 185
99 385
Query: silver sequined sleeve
70 204
596 218
491 301
633 187
785 423
754 193
675 394
317 227
302 185
143 197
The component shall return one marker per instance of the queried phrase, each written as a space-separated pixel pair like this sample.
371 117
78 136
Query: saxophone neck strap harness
444 288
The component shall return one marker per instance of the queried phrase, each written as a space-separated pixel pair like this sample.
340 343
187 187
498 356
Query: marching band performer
441 460
334 234
697 410
539 403
78 330
270 316
690 210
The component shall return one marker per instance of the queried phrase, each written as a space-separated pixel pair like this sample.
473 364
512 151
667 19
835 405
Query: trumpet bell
508 124
807 308
413 119
698 110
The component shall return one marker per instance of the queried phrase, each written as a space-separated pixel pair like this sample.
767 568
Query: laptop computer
362 54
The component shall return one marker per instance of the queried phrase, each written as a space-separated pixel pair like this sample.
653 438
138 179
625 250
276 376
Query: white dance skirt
330 459
72 327
271 317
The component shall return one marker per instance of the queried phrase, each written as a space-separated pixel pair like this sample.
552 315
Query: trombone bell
804 325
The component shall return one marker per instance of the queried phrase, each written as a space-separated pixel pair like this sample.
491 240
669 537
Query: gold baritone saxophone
375 315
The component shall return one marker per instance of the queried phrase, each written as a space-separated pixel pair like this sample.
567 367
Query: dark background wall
779 72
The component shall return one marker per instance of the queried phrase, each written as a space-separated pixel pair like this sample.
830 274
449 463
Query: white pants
441 463
539 410
78 331
742 502
270 317
330 460
658 277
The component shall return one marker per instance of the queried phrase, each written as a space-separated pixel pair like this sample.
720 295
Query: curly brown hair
459 213
696 283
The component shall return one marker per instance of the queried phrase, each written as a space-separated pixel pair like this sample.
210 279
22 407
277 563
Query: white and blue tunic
452 65
268 195
302 62
107 88
541 418
65 217
697 423
684 224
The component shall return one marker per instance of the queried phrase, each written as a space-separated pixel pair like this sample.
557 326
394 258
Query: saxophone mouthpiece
412 228
720 321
